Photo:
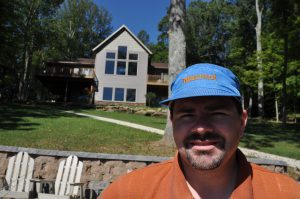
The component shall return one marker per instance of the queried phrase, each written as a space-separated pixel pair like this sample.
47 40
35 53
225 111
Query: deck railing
69 71
158 79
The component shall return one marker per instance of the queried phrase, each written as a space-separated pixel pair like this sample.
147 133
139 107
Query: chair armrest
37 184
76 183
73 184
42 180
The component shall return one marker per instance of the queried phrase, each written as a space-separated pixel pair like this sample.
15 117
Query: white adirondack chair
18 175
67 183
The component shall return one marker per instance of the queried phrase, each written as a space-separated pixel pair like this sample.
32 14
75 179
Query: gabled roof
116 34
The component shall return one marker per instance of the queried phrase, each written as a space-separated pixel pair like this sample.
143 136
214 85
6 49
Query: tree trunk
24 75
28 49
177 53
260 88
250 105
276 108
285 65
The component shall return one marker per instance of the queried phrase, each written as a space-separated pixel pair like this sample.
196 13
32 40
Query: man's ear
244 119
171 114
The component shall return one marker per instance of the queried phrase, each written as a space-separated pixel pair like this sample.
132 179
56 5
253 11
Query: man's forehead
210 102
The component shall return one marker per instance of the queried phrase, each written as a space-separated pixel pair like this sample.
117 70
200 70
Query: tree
208 31
9 50
82 26
273 61
150 96
260 87
242 47
34 30
144 37
177 53
27 28
160 49
284 16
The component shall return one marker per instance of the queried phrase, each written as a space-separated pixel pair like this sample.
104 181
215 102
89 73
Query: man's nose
202 125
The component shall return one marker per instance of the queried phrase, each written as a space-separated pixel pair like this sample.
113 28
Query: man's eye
219 113
186 115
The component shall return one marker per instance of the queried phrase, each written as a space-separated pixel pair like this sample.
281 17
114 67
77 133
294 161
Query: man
208 122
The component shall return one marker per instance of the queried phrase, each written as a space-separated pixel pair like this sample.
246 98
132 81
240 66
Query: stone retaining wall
97 166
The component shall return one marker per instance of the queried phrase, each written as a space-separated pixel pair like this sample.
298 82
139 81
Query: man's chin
204 160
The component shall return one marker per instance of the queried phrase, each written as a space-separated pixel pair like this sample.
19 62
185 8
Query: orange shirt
165 180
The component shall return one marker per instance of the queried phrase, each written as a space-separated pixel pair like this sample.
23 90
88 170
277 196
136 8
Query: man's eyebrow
218 106
185 110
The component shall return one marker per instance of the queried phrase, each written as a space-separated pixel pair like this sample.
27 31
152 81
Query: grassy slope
49 128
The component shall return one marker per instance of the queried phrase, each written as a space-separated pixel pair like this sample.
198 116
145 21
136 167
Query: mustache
204 136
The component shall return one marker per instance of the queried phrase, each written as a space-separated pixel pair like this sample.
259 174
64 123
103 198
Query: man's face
207 130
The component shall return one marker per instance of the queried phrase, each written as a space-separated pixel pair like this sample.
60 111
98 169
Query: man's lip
203 142
204 145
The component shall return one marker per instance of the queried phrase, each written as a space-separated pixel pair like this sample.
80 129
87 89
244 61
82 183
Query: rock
130 166
92 171
141 112
159 114
46 167
3 163
149 112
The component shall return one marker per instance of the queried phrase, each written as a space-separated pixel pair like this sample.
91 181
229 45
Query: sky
137 15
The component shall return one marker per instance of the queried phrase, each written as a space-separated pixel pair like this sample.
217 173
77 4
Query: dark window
119 94
107 93
109 67
121 68
132 68
122 52
110 55
130 95
133 56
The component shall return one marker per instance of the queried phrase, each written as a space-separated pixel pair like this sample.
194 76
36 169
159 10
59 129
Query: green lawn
274 138
49 128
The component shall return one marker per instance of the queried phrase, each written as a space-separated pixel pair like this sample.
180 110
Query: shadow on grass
14 116
265 134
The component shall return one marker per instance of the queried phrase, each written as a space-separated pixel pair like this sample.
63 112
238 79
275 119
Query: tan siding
138 82
124 39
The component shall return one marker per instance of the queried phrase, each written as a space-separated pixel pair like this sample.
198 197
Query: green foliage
208 31
163 28
160 52
144 37
82 26
223 32
33 31
160 49
24 25
150 96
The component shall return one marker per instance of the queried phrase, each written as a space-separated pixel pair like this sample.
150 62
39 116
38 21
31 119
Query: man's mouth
204 142
202 145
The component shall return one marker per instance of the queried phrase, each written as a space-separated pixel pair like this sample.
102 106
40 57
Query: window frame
127 89
112 92
116 60
115 96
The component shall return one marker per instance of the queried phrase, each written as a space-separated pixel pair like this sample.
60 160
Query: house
121 72
121 65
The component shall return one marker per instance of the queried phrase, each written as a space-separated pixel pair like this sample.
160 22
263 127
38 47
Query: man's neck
216 183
